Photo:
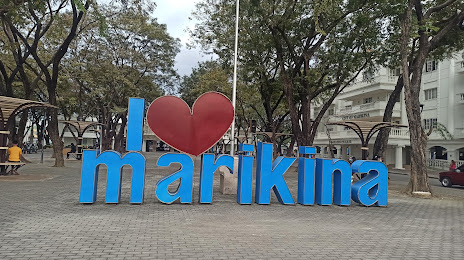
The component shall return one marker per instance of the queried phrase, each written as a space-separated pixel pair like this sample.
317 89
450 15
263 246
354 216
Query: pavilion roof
80 126
366 129
10 107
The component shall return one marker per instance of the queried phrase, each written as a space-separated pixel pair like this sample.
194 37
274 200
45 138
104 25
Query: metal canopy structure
80 127
365 130
9 109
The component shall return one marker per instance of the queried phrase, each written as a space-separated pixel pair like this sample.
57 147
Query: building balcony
378 85
367 111
460 66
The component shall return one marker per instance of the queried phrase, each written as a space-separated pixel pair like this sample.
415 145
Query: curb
400 173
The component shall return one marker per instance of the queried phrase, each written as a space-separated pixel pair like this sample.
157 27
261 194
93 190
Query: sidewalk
42 219
431 172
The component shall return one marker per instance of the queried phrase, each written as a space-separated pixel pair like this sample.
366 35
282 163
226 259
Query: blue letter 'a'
340 172
245 174
208 166
372 189
306 176
185 189
270 175
114 161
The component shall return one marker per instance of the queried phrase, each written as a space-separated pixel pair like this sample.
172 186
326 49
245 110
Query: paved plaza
40 218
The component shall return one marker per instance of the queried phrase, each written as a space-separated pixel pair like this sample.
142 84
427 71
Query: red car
454 177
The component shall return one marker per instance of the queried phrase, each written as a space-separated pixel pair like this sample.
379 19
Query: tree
29 21
446 46
313 49
134 57
424 25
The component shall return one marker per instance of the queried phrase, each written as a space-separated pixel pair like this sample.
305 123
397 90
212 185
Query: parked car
453 177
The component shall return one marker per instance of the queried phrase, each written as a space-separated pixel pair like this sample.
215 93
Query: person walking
14 154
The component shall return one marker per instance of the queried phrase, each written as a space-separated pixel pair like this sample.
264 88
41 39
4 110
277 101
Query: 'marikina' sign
320 181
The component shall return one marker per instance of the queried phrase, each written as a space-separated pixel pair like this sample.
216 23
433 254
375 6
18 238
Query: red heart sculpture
192 132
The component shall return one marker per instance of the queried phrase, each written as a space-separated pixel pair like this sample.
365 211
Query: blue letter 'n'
339 172
114 161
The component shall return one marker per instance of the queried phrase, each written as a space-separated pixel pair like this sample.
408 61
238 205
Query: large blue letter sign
135 124
209 165
306 176
245 174
269 175
114 161
372 189
340 172
185 189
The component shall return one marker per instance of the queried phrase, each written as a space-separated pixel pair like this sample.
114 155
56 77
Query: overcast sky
175 14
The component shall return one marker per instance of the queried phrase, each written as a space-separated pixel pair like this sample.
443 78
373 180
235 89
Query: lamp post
234 92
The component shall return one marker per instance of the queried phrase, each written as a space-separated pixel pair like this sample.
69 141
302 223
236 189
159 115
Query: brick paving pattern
40 218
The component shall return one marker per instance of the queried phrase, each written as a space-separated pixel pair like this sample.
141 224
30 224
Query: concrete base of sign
422 194
228 181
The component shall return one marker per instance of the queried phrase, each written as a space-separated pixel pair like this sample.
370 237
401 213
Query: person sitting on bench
14 154
73 150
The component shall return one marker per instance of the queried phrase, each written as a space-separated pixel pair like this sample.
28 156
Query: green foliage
208 76
133 58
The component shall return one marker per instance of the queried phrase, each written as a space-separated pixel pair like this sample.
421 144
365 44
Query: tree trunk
419 181
53 130
381 142
119 138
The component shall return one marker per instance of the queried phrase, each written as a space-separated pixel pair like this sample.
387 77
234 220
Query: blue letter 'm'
114 162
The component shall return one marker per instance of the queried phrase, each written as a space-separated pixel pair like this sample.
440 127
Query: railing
377 105
399 132
367 106
441 164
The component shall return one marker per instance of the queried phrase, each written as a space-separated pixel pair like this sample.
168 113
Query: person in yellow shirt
14 154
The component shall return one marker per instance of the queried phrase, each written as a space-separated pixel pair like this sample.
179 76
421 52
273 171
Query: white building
442 99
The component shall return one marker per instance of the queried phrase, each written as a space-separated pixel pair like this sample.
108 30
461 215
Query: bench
12 171
78 156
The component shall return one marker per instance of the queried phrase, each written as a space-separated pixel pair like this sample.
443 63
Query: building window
331 112
394 72
430 94
367 100
462 96
431 66
432 122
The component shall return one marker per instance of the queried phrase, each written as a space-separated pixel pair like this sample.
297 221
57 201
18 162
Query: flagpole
234 91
